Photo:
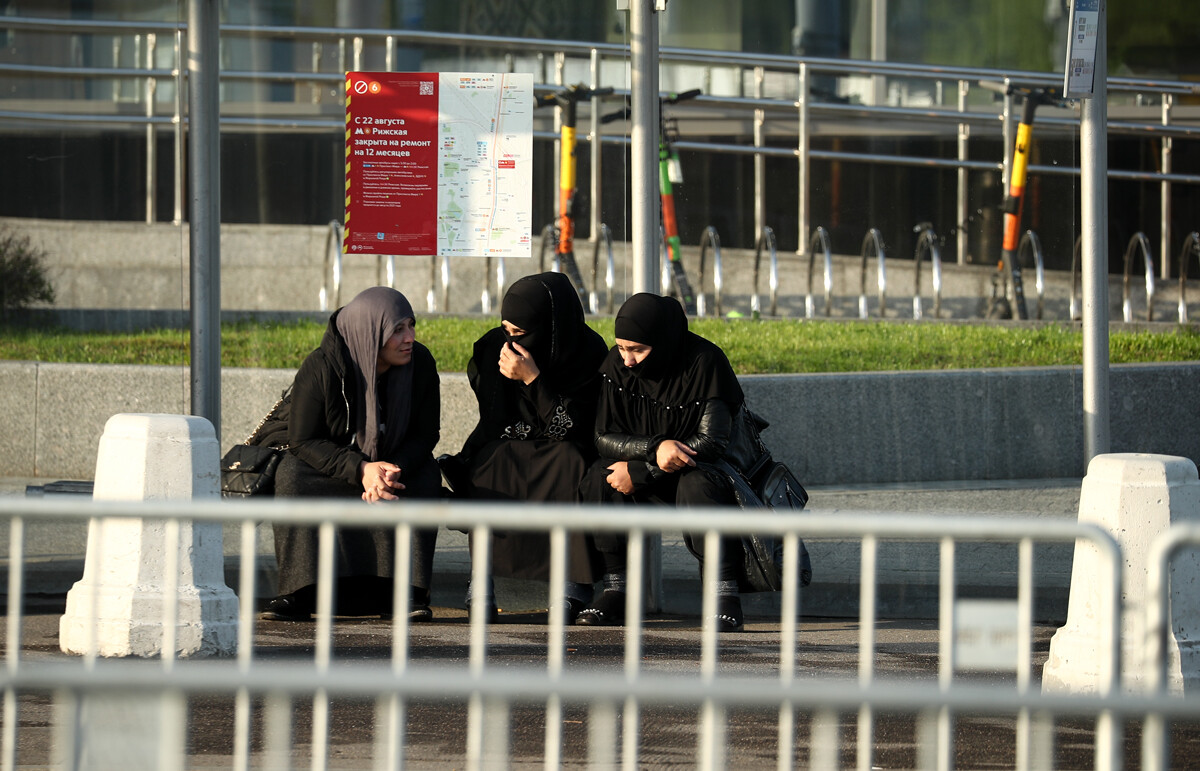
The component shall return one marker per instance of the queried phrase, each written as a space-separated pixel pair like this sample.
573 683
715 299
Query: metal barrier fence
587 703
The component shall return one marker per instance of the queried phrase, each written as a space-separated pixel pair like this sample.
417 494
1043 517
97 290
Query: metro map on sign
485 154
439 164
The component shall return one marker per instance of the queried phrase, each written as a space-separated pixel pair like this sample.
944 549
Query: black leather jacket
710 441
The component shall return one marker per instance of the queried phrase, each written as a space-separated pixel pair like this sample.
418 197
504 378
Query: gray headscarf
365 324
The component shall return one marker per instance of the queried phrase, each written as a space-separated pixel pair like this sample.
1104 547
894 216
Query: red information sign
391 163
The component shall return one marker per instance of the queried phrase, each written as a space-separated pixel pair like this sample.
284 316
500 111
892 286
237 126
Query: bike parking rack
1074 310
385 270
439 266
549 237
767 239
1191 245
710 238
331 290
873 239
333 264
927 241
1033 245
819 241
1139 243
485 297
603 239
664 262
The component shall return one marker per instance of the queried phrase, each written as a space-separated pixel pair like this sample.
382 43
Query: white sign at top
1080 73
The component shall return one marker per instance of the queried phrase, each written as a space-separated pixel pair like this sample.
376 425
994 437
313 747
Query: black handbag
779 488
765 483
248 469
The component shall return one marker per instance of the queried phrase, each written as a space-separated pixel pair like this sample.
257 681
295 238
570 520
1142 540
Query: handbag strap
253 437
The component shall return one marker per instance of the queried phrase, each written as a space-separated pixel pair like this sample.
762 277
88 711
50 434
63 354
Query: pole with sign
1087 62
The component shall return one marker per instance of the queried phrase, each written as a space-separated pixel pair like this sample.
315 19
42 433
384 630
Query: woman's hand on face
673 456
619 479
380 481
517 364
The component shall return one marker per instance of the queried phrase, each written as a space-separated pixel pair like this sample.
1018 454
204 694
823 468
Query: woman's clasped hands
380 481
673 456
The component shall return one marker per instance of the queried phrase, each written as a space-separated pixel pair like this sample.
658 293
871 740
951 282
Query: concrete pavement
827 649
907 581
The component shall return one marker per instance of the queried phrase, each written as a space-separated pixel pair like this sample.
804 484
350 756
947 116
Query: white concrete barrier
1134 497
132 569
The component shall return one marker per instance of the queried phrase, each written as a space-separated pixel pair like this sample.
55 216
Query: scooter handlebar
682 97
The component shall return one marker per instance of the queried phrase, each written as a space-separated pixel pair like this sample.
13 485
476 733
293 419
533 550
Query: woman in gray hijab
362 419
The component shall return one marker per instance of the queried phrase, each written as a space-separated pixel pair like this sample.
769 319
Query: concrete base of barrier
133 566
1134 497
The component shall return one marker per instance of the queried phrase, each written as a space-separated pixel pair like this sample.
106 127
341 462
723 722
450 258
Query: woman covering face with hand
536 383
361 421
667 402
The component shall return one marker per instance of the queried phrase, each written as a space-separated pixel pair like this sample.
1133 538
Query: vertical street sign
1080 71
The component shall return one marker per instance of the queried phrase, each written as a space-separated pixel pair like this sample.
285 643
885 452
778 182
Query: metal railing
1164 549
483 690
789 78
873 244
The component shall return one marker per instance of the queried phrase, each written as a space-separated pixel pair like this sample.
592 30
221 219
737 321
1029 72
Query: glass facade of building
90 109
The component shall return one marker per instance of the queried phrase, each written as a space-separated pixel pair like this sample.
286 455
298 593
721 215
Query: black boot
418 606
729 613
297 606
606 610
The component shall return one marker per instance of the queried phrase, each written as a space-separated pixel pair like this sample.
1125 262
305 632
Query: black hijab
547 307
365 324
663 395
565 349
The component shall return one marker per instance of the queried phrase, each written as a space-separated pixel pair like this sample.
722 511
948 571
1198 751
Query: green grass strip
753 346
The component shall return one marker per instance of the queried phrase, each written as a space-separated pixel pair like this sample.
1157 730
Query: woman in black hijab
667 401
361 420
536 382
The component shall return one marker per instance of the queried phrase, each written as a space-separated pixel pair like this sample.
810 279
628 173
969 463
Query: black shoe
418 611
729 613
491 613
572 610
607 610
286 607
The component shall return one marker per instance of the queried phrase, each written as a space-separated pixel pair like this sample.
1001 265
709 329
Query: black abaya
683 390
534 442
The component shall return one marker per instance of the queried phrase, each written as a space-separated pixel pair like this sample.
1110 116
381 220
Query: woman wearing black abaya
535 378
362 419
667 401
